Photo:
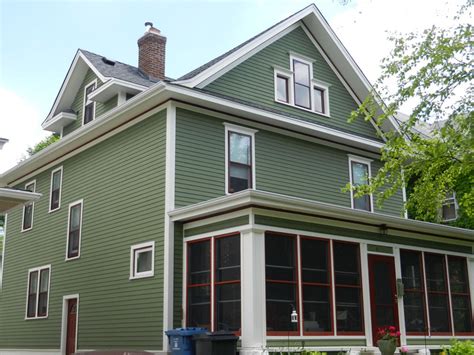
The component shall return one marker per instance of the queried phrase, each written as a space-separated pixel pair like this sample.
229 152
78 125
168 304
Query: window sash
55 197
136 256
234 165
283 96
74 230
38 293
319 98
302 95
363 202
28 209
89 106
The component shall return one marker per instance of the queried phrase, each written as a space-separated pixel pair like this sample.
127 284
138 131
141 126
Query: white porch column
253 291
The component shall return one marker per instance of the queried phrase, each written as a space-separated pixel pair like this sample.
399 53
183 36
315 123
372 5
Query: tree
42 144
434 71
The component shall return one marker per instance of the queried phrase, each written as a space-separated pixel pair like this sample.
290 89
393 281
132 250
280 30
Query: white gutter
294 204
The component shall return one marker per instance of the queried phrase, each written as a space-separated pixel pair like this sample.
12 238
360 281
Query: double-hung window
449 210
28 209
239 158
88 109
213 283
360 173
297 87
74 230
55 193
38 292
142 258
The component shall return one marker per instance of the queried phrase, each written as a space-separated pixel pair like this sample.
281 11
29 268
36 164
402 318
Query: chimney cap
151 29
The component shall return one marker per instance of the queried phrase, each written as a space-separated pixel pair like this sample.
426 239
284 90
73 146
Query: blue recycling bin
181 340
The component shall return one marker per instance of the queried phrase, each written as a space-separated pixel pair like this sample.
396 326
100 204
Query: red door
71 326
383 299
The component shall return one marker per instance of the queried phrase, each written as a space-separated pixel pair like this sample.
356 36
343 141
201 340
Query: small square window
142 260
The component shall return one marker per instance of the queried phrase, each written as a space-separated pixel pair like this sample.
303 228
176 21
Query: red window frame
230 162
212 283
462 294
446 293
361 294
422 291
209 284
295 282
328 285
218 283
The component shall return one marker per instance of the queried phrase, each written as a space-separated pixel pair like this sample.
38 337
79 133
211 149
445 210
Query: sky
38 40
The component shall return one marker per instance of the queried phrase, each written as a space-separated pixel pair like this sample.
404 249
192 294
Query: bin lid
185 331
220 335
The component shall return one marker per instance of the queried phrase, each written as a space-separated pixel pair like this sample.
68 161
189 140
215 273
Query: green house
214 200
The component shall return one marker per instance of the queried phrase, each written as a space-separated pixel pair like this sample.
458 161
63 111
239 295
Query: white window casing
135 251
38 270
357 159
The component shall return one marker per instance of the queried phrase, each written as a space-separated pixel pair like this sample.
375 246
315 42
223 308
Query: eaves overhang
114 87
59 121
161 93
263 199
10 198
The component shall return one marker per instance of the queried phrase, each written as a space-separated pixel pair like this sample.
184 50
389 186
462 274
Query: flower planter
387 347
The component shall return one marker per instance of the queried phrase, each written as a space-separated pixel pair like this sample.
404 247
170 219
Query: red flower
392 328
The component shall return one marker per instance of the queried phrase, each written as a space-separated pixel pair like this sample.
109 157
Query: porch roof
269 200
10 198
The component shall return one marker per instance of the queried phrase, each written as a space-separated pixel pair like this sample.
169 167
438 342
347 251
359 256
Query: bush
461 347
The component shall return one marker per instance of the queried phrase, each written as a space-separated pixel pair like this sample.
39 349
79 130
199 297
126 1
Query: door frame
64 321
371 291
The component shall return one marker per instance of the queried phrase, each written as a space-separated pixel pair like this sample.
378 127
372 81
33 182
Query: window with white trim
240 153
38 292
360 174
449 209
142 260
298 87
74 230
88 109
28 209
55 190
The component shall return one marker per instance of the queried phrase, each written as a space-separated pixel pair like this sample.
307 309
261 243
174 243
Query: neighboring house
214 200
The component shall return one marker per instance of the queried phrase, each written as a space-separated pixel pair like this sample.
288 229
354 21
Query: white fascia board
20 195
194 81
295 204
241 110
114 87
59 121
71 77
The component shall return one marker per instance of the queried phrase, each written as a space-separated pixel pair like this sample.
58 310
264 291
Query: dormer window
89 105
297 87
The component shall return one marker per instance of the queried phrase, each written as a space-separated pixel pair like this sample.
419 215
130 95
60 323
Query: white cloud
19 123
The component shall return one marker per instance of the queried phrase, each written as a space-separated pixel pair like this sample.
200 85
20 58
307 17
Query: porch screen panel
281 281
414 297
348 286
437 288
199 284
316 285
461 301
227 283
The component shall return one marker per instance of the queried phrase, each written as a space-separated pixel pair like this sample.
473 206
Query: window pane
411 270
199 261
228 258
280 253
28 216
346 263
199 307
438 308
228 307
360 173
281 298
316 309
362 203
239 145
302 96
458 275
319 100
43 293
414 306
144 260
56 180
302 75
75 218
88 113
54 199
462 315
239 177
435 272
348 310
33 289
282 89
73 250
449 211
314 260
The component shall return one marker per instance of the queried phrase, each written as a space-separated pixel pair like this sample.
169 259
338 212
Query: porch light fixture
294 315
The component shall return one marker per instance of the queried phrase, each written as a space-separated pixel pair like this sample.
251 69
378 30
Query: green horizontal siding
423 241
78 103
380 249
122 183
284 165
253 81
228 223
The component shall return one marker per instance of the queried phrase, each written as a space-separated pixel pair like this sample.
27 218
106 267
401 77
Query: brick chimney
151 52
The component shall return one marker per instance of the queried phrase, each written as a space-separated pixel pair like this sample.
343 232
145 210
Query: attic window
297 87
108 61
88 109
